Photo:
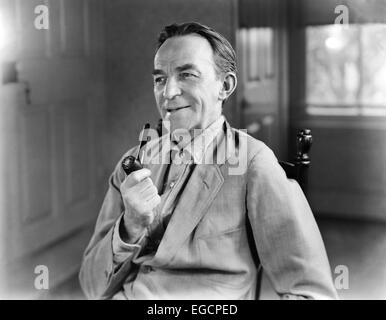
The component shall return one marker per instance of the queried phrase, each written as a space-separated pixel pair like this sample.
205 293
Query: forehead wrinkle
176 64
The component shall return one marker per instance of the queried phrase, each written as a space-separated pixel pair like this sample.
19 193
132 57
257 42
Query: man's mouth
171 110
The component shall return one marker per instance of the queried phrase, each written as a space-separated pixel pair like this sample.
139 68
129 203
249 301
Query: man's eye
159 80
187 75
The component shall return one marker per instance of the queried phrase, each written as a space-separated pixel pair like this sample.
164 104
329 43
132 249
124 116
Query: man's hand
140 197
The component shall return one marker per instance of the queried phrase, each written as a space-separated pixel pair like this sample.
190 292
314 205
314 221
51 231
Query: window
346 69
256 50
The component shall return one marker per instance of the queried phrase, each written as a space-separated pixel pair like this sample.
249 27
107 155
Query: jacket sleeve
100 275
287 238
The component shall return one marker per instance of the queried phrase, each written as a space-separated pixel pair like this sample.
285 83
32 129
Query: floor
70 290
359 246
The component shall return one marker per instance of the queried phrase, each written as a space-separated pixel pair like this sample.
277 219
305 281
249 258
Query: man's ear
229 84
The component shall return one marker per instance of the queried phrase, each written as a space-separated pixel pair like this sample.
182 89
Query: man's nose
171 89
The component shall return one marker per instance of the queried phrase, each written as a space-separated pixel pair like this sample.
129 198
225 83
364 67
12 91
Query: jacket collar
222 146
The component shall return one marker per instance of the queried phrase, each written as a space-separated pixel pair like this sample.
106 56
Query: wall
131 33
348 174
347 177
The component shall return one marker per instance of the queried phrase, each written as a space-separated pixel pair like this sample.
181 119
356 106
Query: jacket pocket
225 233
225 252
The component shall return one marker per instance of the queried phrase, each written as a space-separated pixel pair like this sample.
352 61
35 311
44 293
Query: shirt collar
201 141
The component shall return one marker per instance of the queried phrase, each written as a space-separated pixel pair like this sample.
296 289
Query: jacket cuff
122 250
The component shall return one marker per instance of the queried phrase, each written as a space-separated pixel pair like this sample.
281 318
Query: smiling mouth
171 110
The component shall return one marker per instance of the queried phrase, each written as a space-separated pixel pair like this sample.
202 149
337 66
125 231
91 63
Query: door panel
77 156
52 172
73 14
35 163
263 75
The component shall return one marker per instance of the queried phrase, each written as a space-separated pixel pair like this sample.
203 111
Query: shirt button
172 184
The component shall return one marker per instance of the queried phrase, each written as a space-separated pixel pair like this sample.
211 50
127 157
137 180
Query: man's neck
183 137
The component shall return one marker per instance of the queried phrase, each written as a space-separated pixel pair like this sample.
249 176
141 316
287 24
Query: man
189 230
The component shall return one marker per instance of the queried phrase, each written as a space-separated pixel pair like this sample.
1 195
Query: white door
51 137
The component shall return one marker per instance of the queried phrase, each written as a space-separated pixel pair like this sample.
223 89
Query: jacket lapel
202 188
200 191
156 159
224 149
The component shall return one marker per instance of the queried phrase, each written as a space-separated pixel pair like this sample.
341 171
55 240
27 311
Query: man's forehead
181 62
182 50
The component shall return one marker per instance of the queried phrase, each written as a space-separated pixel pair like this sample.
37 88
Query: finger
135 177
144 190
149 193
154 201
145 184
149 196
139 175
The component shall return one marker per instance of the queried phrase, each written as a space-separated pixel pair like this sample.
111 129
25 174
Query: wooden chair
297 170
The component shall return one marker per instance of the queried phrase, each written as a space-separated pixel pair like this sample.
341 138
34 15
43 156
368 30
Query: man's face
186 86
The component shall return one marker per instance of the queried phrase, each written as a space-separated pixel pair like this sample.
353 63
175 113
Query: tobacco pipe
133 163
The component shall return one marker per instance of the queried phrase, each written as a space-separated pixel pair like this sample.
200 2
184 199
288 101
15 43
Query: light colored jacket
205 252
